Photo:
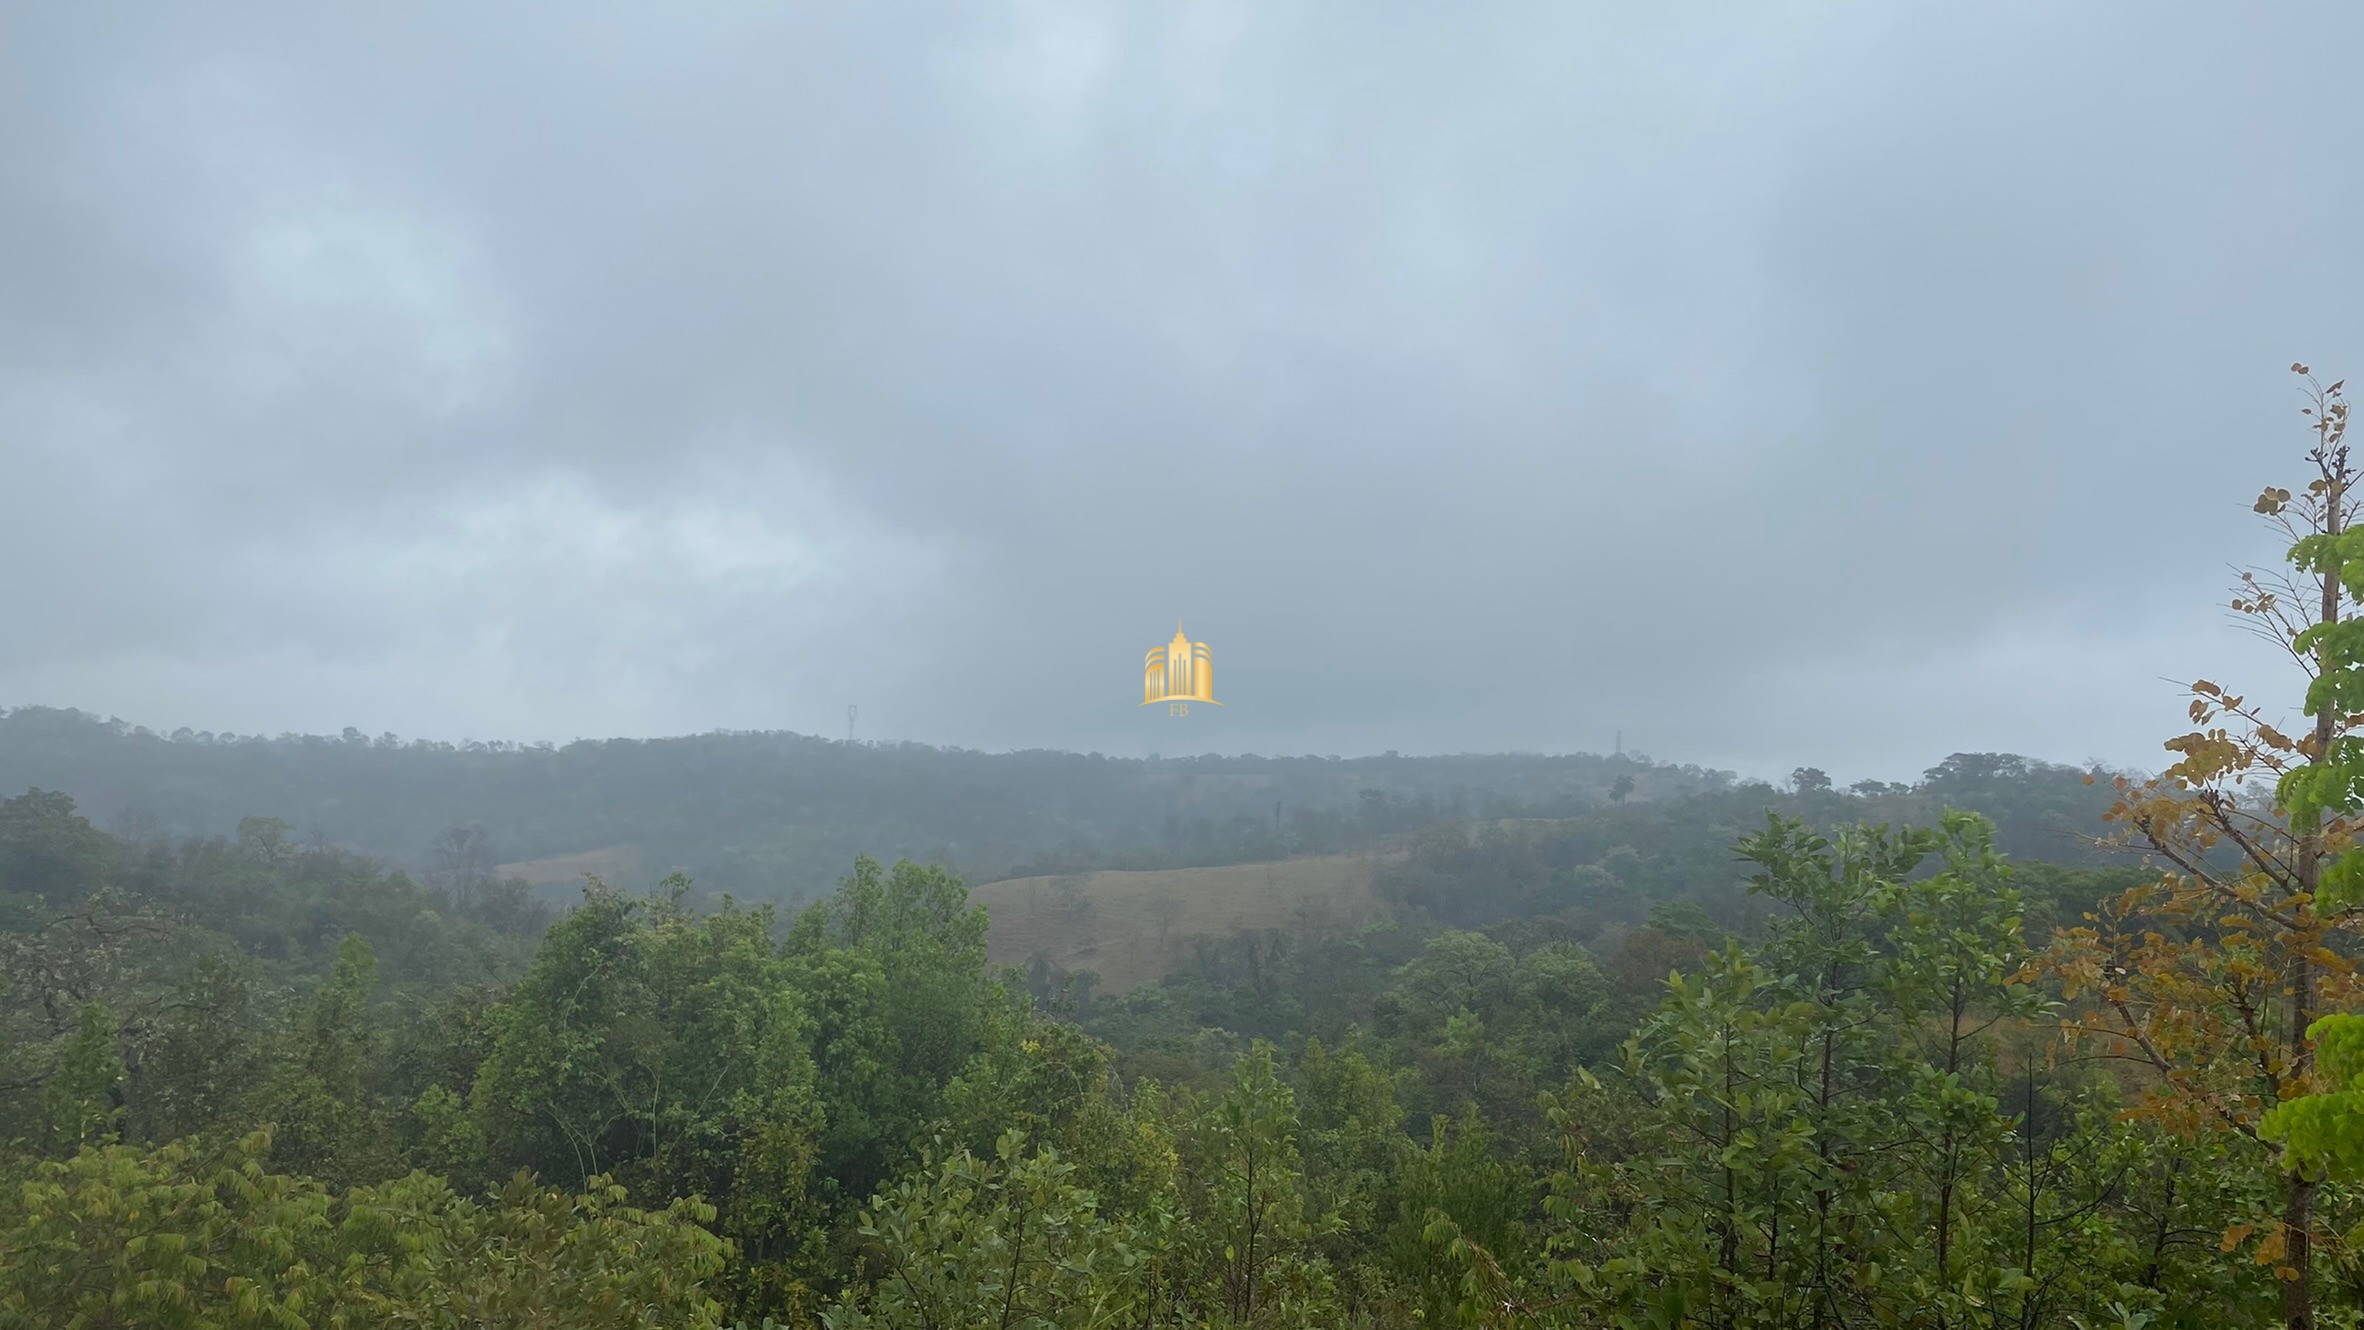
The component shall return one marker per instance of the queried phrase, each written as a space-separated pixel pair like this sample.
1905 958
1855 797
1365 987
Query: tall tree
326 1119
1249 1200
48 850
1008 1242
461 864
2212 974
668 1051
892 974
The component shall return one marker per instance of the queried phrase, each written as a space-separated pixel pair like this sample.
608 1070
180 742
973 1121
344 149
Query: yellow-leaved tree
2210 977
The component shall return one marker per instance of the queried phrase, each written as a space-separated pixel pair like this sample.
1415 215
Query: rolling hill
781 816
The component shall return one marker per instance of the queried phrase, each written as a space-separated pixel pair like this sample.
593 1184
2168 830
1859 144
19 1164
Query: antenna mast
850 712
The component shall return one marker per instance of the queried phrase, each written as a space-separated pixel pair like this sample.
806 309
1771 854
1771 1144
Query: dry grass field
616 865
1133 927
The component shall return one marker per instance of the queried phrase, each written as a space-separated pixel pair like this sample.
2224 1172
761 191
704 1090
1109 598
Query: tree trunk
2298 1294
2298 1300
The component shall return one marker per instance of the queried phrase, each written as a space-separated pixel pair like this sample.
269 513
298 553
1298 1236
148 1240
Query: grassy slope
1119 931
617 866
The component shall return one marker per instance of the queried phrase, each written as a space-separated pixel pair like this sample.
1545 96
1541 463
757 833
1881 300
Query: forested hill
781 815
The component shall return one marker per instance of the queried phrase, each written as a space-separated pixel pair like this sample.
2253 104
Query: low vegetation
1127 927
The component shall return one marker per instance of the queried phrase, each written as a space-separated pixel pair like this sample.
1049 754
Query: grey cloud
1844 384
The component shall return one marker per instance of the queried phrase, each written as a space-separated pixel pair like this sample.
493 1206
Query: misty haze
1066 666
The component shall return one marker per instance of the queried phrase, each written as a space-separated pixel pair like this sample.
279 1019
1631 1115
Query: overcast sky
1844 384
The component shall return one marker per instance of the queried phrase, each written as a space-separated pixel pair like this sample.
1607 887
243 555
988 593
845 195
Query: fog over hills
783 815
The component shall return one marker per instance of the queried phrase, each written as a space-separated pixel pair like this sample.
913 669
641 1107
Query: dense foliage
384 1109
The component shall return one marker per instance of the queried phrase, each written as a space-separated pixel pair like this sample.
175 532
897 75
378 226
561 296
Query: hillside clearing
1132 927
614 865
